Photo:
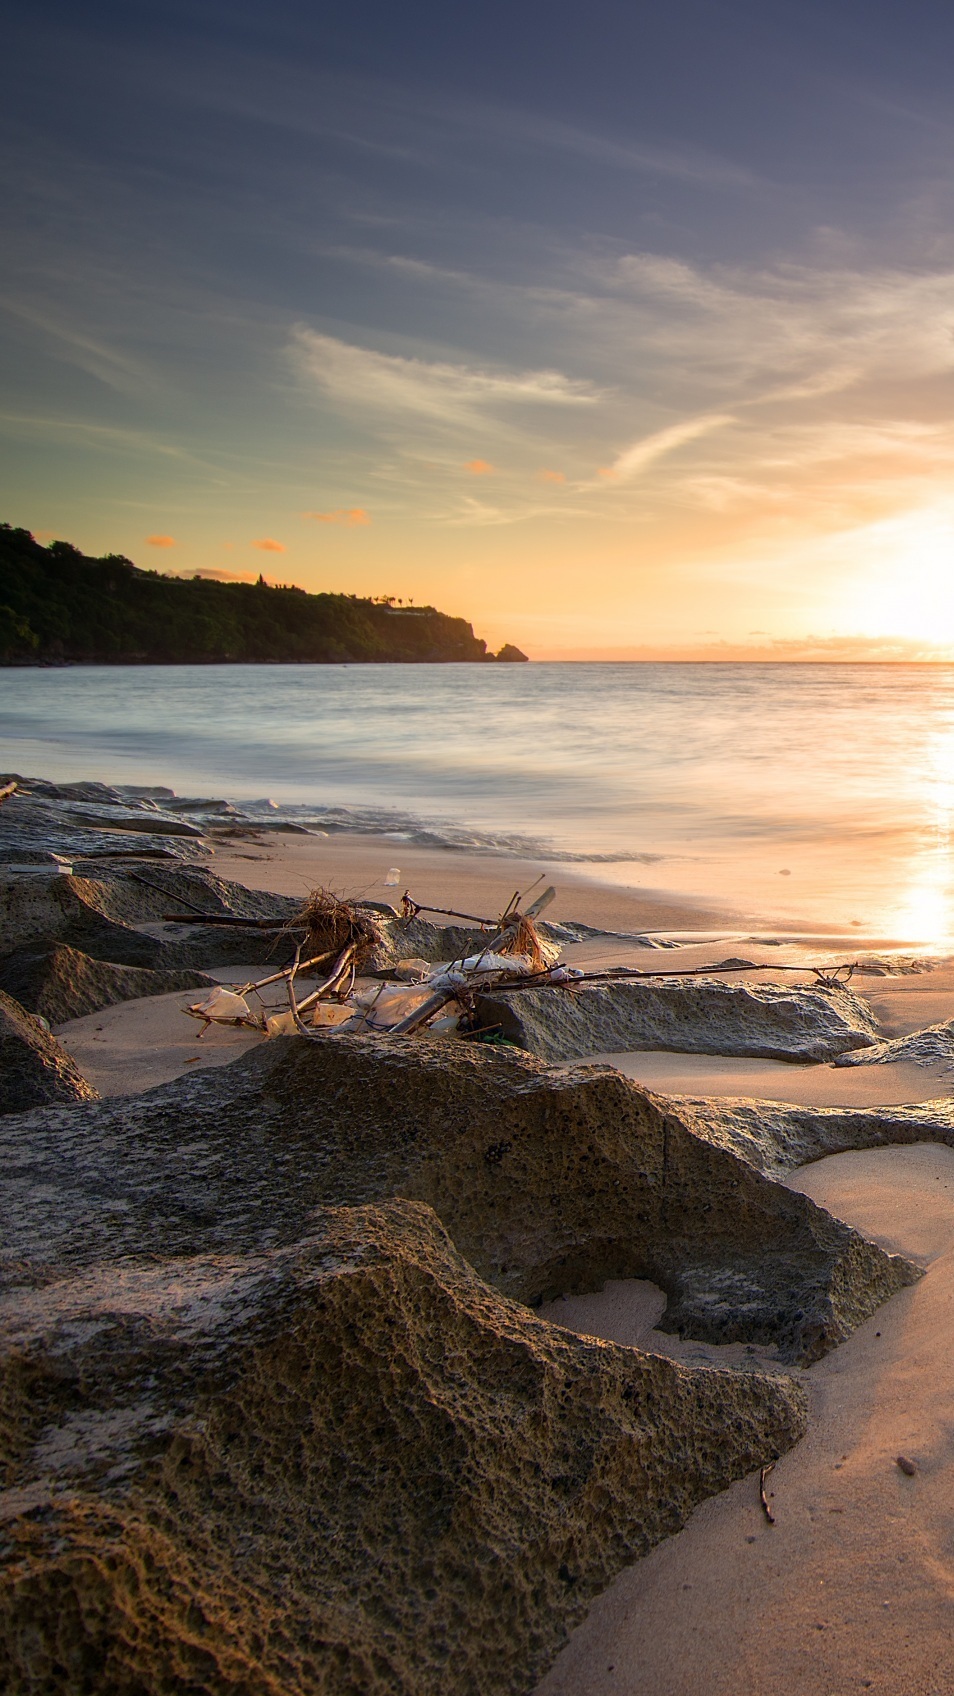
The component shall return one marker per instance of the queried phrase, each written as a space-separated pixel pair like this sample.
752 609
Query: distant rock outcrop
696 1016
34 1070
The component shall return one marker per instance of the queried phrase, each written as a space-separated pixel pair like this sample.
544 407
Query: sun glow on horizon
903 583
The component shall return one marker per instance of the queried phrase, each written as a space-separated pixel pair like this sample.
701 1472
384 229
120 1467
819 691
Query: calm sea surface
804 791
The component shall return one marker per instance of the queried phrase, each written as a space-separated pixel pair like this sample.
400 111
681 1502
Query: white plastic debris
444 1026
414 970
331 1013
481 966
221 1005
391 1002
281 1024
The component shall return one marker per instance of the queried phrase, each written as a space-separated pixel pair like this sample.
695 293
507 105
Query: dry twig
762 1496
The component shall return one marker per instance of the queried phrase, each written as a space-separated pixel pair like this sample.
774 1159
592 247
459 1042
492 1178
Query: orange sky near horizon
641 344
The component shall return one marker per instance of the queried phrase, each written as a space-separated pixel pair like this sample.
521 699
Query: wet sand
356 866
780 1080
853 1587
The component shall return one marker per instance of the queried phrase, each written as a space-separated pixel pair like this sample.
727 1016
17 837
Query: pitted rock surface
548 1182
341 1465
688 1016
62 983
929 1047
34 827
777 1138
121 918
34 1070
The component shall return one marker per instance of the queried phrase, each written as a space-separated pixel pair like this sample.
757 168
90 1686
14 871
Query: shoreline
677 1620
355 865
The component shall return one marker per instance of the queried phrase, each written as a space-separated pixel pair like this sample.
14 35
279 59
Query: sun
903 584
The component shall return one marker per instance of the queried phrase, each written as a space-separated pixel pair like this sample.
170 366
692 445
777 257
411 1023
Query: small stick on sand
762 1496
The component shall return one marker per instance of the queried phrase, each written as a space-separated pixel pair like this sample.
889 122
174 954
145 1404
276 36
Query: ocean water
789 791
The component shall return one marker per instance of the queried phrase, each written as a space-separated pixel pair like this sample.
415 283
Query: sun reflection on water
925 912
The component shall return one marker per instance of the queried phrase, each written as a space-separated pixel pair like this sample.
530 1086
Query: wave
398 827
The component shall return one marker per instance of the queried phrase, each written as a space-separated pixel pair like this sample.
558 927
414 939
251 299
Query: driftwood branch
763 1498
198 918
614 974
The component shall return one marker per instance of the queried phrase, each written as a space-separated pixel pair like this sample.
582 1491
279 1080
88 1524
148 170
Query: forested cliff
58 605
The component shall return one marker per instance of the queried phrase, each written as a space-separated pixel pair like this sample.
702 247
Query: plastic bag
222 1006
391 1002
480 966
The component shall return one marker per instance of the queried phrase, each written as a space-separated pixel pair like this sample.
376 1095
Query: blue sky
609 326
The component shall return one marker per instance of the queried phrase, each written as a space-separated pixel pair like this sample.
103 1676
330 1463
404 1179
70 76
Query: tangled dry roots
526 940
332 925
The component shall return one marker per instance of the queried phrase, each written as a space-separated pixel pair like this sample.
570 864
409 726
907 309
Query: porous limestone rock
777 1138
33 828
764 1021
122 919
340 1465
928 1047
548 1182
34 1070
61 983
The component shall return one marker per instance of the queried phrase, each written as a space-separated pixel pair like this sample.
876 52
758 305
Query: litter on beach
342 943
342 938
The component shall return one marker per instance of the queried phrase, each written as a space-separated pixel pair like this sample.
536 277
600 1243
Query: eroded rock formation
777 1138
341 1465
61 983
269 1430
34 1070
548 1181
927 1047
122 918
695 1016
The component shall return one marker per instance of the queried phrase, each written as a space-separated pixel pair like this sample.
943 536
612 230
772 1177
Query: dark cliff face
59 605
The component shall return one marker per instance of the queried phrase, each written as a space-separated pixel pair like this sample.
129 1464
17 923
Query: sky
621 329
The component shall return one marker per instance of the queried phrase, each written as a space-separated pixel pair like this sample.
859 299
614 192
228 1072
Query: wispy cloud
162 541
792 331
119 370
349 516
387 383
268 545
648 449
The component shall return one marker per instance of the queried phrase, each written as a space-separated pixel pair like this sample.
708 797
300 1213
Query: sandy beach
138 1044
853 1586
356 866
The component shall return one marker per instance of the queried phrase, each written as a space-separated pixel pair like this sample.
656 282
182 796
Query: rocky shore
281 1409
